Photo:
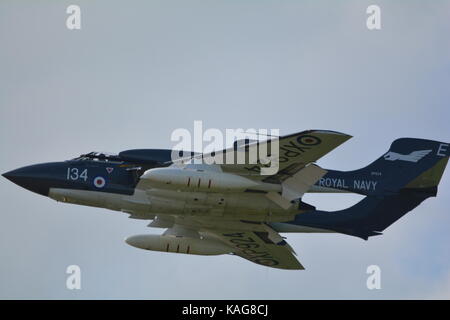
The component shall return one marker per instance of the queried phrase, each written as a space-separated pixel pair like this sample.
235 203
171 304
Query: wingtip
346 135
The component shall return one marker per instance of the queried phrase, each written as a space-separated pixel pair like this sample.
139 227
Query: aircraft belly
88 198
243 206
137 203
212 204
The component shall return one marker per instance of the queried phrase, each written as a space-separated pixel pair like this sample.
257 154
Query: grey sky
135 72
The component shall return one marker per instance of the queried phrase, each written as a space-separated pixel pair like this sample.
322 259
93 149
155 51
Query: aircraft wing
258 247
251 240
295 152
254 241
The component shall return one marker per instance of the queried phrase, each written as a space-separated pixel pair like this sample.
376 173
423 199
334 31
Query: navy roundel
99 182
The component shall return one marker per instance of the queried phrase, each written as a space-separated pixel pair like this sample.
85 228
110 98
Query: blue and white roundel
99 182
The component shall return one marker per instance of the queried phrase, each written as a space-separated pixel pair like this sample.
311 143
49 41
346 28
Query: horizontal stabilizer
297 185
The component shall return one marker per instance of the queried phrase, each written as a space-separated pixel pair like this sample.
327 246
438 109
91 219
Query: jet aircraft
214 209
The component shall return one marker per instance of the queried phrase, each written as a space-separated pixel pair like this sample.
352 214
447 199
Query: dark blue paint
385 204
389 201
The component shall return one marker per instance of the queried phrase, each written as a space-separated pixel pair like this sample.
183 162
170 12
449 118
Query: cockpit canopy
99 156
135 156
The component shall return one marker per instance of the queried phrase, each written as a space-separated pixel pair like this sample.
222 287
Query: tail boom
394 184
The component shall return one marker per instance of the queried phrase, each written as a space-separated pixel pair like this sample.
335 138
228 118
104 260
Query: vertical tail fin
409 163
395 184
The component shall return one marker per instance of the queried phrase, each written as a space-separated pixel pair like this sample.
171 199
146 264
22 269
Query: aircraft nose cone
36 178
14 175
9 175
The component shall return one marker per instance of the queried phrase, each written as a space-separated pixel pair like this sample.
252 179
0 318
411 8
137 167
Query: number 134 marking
74 174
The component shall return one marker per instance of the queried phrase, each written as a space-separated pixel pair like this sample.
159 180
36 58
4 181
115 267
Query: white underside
146 204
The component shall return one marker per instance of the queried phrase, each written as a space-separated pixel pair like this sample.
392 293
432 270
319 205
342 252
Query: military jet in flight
214 209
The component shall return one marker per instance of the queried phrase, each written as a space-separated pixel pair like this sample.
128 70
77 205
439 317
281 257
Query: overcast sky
137 71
